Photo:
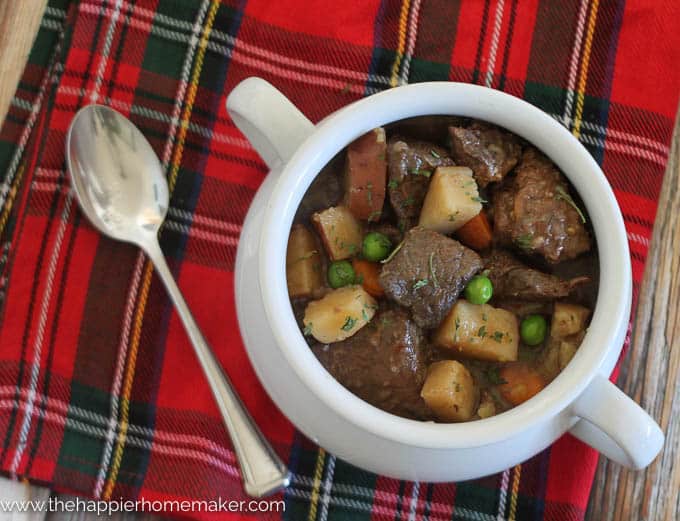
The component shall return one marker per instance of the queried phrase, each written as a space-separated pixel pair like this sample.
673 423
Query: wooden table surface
649 372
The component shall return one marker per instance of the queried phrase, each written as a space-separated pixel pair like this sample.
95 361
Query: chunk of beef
490 152
513 279
428 273
384 364
393 233
534 212
410 164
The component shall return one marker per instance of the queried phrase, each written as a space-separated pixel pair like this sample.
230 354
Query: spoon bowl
117 178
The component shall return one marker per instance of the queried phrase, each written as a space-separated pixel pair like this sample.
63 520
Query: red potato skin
366 175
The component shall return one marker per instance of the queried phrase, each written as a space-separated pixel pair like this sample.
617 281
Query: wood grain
650 373
19 21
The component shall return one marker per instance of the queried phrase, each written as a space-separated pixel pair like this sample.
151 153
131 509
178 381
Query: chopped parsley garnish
433 153
478 199
375 215
433 275
485 317
421 171
457 323
525 241
482 332
562 194
498 336
394 252
494 377
308 255
409 201
349 324
364 315
420 283
307 330
381 157
392 184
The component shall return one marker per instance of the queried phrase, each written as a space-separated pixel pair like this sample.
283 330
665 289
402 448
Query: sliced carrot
521 382
368 273
476 233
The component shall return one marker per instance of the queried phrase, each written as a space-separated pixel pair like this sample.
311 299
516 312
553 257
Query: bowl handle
272 124
615 425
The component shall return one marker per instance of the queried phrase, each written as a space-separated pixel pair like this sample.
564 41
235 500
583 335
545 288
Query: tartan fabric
101 393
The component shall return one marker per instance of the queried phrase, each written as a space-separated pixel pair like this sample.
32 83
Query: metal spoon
121 188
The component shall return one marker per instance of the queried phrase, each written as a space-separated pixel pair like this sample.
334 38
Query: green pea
533 330
340 273
376 246
479 290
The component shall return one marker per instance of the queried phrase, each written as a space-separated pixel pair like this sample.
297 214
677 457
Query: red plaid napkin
101 394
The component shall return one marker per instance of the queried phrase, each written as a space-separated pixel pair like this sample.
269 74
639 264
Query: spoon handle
262 470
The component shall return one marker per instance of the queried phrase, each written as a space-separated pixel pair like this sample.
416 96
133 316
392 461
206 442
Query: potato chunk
340 231
339 314
451 200
303 263
568 319
479 331
366 175
450 391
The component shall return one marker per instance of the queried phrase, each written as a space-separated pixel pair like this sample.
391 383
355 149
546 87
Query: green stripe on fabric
423 70
475 497
83 442
359 492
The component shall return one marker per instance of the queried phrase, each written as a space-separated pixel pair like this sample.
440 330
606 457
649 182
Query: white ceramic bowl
580 400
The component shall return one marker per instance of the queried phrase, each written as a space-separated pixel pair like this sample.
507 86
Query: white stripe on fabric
156 115
503 495
613 133
55 12
38 344
575 56
118 376
495 36
227 52
35 110
411 45
327 487
104 60
68 411
156 440
413 507
132 295
159 18
52 25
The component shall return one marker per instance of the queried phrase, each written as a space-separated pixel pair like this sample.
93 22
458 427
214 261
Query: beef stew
442 269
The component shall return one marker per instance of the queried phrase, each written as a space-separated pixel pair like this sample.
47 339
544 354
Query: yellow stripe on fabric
127 382
148 267
318 470
515 492
9 203
581 91
191 95
401 45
